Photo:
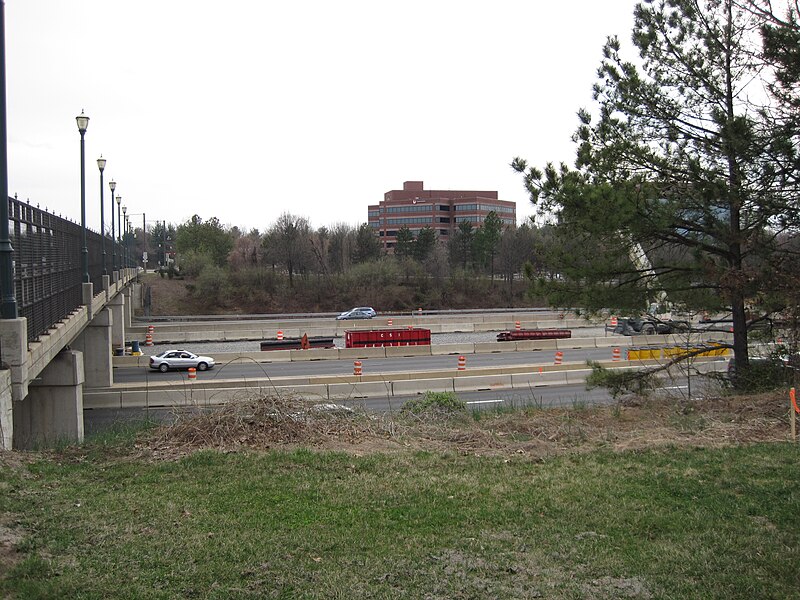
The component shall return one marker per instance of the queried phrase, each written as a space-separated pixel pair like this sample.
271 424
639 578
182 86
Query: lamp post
101 164
119 232
8 302
124 242
144 256
83 122
113 185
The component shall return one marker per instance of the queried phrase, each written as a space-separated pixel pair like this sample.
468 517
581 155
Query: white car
180 359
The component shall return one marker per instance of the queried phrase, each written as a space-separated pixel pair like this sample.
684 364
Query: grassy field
107 520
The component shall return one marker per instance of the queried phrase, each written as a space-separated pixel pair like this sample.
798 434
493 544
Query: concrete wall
6 412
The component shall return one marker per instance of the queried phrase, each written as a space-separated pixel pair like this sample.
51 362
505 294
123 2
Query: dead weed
269 422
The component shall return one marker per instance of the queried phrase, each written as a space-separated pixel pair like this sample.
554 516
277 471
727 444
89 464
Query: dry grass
269 422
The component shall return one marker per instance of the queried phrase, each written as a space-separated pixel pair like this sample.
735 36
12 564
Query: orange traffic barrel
148 339
280 334
390 322
615 354
518 325
462 363
192 373
357 367
559 357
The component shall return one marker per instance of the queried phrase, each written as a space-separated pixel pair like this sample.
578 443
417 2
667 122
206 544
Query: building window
414 208
410 220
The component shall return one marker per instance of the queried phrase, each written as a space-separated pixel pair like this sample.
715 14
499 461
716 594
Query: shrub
435 403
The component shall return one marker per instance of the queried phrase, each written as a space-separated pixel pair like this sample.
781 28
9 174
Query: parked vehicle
650 326
180 359
360 312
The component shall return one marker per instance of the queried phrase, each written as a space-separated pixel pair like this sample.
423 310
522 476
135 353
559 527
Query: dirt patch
263 423
10 537
170 296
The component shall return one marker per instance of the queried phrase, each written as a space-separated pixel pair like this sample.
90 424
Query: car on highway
360 312
180 359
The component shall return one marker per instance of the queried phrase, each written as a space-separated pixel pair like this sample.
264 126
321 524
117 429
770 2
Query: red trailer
375 338
533 334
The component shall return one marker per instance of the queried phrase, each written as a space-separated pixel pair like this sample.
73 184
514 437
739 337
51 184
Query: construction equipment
659 316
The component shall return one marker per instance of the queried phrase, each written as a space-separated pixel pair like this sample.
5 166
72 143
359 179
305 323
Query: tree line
291 265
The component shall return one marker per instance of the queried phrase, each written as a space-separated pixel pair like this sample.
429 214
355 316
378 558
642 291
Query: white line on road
484 401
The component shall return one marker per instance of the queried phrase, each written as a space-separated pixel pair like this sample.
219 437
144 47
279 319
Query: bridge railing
47 261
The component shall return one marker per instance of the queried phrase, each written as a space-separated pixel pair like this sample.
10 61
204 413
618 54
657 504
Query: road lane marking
484 401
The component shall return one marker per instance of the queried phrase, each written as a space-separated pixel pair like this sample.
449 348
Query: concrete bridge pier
95 344
128 307
53 409
117 307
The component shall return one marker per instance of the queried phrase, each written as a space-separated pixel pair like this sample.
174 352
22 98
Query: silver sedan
180 359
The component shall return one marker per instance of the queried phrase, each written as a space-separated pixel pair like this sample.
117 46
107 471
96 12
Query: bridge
66 328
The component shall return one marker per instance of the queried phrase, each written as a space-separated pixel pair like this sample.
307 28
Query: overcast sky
246 109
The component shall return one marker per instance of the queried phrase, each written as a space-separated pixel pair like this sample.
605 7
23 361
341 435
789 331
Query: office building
441 210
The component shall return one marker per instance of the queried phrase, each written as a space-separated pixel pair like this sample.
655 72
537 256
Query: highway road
369 365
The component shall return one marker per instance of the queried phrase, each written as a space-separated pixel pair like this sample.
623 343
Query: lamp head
83 122
119 199
101 163
113 185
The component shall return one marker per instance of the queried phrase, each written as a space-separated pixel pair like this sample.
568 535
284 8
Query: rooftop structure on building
441 210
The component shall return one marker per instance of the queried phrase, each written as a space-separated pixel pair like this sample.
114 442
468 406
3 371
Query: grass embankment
155 519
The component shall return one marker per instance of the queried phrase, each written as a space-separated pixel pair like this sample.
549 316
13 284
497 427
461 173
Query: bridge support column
117 307
136 296
127 312
53 409
95 343
14 374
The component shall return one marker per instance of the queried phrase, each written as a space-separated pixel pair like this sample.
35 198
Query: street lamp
101 164
119 231
8 301
83 122
124 242
113 185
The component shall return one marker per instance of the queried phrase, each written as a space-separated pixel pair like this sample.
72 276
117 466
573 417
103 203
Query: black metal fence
48 270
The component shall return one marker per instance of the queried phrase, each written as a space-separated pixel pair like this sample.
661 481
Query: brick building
442 210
